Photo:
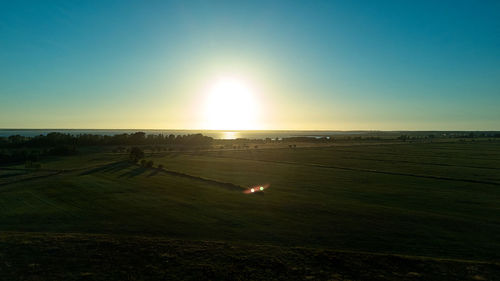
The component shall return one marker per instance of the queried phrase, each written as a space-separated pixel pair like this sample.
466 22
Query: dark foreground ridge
44 256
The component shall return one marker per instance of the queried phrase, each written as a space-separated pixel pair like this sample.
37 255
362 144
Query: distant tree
34 155
63 150
138 137
17 139
149 164
160 167
4 157
143 162
403 137
136 154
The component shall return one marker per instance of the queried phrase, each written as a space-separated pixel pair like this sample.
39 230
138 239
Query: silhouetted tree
138 138
403 137
63 150
136 154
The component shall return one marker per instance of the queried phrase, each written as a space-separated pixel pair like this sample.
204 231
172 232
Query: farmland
434 200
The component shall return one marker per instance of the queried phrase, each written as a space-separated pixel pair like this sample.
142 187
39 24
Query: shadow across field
154 172
134 173
117 167
227 185
131 172
109 168
28 176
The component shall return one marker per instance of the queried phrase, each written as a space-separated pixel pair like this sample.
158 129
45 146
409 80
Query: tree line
22 149
138 138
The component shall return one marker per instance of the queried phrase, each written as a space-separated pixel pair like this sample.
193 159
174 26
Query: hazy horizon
255 130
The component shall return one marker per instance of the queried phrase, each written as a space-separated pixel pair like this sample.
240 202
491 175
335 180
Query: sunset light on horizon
230 104
296 65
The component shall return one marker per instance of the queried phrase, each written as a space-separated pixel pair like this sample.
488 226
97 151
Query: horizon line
255 130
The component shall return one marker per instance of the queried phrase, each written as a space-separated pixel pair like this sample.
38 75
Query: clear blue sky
389 65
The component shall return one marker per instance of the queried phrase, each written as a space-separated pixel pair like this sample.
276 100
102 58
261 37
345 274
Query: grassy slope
103 257
323 206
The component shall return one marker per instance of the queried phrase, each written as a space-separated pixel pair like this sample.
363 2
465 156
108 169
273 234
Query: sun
230 104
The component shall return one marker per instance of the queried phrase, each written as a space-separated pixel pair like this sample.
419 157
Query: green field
435 200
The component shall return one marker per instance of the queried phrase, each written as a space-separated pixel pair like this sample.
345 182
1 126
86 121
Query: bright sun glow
230 105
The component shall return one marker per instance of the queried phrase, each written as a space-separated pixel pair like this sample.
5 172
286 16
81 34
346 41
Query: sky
329 65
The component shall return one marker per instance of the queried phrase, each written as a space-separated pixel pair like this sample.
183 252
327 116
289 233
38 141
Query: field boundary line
366 170
423 163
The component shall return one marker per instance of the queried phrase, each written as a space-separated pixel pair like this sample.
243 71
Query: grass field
104 257
437 200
